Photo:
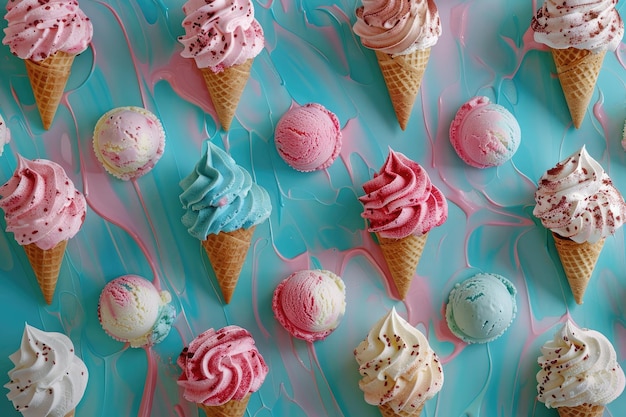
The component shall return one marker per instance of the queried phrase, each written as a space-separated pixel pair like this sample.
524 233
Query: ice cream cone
227 252
387 411
225 88
578 260
402 257
233 408
48 79
584 410
578 71
403 76
46 265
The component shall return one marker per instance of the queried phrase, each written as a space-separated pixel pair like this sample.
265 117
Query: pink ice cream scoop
484 134
133 311
310 304
128 141
308 138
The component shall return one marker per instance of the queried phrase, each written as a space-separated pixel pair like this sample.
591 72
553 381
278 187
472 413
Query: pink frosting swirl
38 29
400 200
219 366
220 33
584 24
40 204
398 27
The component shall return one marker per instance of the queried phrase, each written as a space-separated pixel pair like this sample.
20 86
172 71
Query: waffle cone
584 410
48 79
402 257
46 264
233 408
227 252
387 411
225 88
578 71
403 75
578 260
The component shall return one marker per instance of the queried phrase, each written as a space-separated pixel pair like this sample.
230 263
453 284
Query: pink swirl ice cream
310 304
577 200
41 204
593 25
47 379
128 141
484 134
399 368
578 366
308 137
5 134
38 29
401 200
220 366
220 34
398 27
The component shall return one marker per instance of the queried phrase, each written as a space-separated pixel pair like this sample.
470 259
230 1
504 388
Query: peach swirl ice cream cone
47 47
402 34
223 37
402 206
579 33
43 210
220 370
578 202
579 372
223 206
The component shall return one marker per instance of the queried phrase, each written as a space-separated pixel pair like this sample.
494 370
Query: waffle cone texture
233 408
403 76
46 265
578 71
579 261
402 257
583 410
227 252
387 411
225 88
48 79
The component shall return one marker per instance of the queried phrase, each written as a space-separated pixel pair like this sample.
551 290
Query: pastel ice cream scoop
579 372
47 379
484 134
481 308
133 311
128 141
310 304
5 134
308 137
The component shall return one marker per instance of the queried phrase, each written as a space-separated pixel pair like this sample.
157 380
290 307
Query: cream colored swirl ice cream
583 24
5 134
41 205
128 141
221 366
397 27
399 368
579 367
310 304
38 29
47 379
576 199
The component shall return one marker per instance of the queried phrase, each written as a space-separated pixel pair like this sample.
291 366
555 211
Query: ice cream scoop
128 141
310 304
47 379
5 134
484 134
133 311
481 308
579 370
308 138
